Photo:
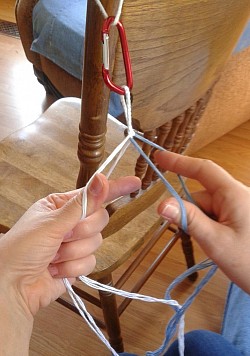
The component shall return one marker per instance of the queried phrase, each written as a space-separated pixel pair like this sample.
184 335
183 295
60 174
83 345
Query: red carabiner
125 52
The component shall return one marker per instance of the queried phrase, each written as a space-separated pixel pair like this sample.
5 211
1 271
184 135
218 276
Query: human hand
50 242
226 238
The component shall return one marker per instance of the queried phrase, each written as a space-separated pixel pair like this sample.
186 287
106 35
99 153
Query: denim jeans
234 339
202 343
236 323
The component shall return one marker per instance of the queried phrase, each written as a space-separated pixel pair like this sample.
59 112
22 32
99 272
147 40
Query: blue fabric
58 30
236 323
202 343
235 337
244 40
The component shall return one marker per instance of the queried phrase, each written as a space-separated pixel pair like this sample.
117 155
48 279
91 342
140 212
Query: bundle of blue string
174 321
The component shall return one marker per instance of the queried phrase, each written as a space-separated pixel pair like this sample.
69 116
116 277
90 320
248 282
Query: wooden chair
177 51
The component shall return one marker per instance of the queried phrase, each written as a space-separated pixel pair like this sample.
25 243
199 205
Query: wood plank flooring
59 332
23 98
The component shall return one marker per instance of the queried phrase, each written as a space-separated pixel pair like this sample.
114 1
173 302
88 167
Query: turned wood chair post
92 131
111 316
95 94
187 248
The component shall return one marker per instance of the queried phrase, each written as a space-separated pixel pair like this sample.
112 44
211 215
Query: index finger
109 190
208 173
122 186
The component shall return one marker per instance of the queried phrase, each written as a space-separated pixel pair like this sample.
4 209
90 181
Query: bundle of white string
78 302
113 159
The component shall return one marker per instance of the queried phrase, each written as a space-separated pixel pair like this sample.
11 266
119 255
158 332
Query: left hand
225 238
50 242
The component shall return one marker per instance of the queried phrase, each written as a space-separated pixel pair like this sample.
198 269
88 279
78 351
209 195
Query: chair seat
38 145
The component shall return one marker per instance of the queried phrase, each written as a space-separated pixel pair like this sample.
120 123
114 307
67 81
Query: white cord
78 302
122 293
117 153
118 13
121 148
126 103
104 13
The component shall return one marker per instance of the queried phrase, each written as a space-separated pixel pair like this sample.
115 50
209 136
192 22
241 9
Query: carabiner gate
125 52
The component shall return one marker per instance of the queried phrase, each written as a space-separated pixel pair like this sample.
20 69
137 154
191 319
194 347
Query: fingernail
170 212
96 185
53 270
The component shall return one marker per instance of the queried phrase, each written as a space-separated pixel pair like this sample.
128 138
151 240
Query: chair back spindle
177 52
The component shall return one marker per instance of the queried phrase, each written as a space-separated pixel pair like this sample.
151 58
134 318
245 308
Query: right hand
226 240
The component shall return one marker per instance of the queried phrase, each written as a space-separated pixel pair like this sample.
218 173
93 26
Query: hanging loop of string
104 13
176 323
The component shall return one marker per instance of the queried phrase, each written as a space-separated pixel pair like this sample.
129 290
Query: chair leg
187 247
111 317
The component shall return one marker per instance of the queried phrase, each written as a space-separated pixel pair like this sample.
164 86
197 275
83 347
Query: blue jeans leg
236 324
204 343
235 338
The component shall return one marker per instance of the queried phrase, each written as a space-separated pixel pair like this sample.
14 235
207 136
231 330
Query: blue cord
174 321
165 182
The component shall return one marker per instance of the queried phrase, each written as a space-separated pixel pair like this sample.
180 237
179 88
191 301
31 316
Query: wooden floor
59 332
22 98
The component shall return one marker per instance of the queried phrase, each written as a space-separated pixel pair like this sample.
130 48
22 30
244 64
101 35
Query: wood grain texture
41 158
22 98
23 13
184 47
59 332
218 27
93 116
56 321
178 49
44 154
229 105
7 10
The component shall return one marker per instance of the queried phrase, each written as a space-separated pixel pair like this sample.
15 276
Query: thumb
202 228
97 192
70 213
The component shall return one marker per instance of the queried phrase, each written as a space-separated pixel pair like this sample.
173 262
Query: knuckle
78 199
105 215
207 164
90 265
96 242
85 231
99 239
191 218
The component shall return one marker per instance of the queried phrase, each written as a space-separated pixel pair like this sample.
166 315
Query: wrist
16 324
